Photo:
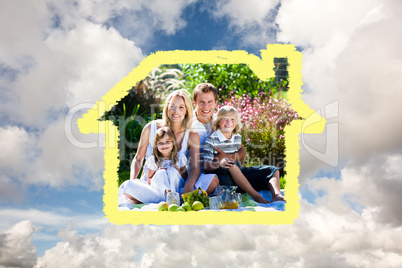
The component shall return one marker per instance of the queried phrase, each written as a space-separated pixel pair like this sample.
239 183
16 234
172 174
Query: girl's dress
140 188
169 179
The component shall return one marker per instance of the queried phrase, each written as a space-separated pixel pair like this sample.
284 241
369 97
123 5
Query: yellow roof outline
263 68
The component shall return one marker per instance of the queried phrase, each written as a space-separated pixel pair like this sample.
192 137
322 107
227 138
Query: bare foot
278 197
260 199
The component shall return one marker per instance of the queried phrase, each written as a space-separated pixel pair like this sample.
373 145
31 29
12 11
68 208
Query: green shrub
236 78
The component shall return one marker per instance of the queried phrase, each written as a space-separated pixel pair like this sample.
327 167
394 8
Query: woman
177 114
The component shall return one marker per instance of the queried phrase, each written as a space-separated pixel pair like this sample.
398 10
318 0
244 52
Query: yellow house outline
263 68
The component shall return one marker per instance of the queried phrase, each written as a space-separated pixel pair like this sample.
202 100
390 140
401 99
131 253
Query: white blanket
249 205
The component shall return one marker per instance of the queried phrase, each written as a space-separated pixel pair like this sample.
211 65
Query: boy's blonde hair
159 134
226 111
187 121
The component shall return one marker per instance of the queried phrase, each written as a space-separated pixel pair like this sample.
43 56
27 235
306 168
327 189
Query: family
190 148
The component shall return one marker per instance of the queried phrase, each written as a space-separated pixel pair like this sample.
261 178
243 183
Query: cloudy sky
57 56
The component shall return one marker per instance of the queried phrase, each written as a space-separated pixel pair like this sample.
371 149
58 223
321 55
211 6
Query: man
205 98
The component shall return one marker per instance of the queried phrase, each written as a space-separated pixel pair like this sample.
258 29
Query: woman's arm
151 174
194 146
136 164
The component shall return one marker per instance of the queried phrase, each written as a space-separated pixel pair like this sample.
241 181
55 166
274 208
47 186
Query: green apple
197 205
163 206
186 206
173 207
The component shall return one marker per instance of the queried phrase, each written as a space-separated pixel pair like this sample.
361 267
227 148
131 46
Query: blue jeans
258 176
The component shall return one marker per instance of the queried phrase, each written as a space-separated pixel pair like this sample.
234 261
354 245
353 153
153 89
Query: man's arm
239 156
211 166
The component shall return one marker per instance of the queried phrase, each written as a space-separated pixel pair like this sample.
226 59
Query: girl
177 115
166 168
226 138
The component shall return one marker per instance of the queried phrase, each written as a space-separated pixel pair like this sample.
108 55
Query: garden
262 105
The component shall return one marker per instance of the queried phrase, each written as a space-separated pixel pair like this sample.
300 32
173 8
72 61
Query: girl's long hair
160 133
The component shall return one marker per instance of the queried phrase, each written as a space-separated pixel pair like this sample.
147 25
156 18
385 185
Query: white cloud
16 249
168 14
49 159
10 190
70 67
243 14
158 15
252 21
318 237
321 22
351 55
17 148
53 219
14 142
77 66
377 184
59 56
58 67
48 225
329 231
21 38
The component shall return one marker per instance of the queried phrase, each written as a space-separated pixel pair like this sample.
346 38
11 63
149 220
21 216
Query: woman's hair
160 133
187 121
226 111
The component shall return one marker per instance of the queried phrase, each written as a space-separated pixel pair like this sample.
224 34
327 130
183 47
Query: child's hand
221 154
226 162
149 180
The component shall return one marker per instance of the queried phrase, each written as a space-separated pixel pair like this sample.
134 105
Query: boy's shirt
217 139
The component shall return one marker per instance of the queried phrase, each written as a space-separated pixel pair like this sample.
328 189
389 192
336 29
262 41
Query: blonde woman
177 115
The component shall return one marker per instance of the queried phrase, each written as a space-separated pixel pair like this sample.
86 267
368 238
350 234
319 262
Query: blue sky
56 56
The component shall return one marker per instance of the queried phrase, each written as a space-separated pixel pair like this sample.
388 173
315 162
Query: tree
230 78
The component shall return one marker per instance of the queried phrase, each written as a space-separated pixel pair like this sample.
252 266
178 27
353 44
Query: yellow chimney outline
263 68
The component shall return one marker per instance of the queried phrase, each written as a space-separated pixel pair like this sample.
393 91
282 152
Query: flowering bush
264 119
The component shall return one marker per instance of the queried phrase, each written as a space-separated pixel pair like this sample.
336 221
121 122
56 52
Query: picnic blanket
248 204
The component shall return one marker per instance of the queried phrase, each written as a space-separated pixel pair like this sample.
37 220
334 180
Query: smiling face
165 145
227 124
205 105
177 109
227 120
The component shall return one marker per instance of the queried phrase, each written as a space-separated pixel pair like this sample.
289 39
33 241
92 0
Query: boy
226 126
205 98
